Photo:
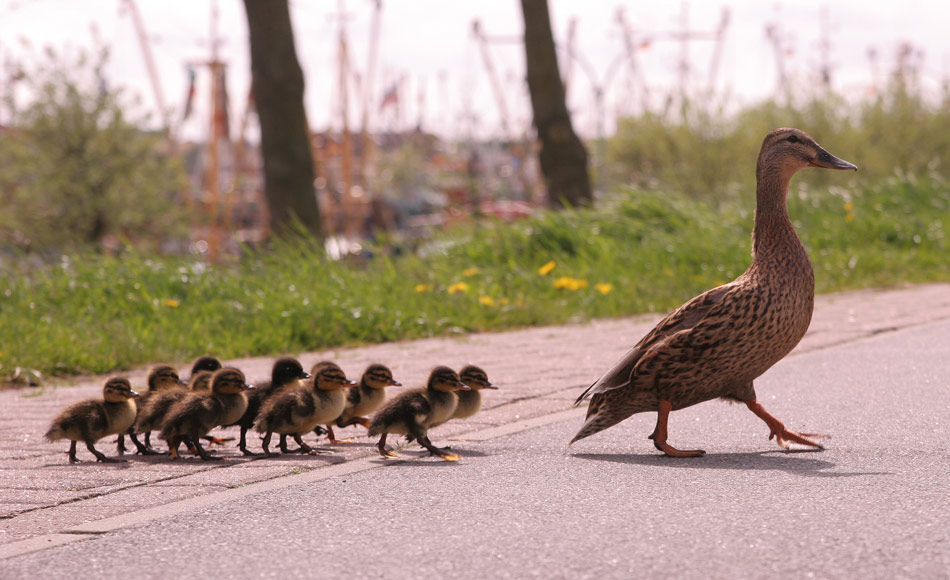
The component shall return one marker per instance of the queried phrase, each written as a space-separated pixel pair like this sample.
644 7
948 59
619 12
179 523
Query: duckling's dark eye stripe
334 376
380 376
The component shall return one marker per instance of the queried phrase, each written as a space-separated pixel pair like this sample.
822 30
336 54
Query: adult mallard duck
719 342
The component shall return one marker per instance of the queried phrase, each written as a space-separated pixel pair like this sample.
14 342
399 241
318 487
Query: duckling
92 419
286 371
204 363
470 402
415 411
161 378
365 398
295 410
200 381
200 412
719 342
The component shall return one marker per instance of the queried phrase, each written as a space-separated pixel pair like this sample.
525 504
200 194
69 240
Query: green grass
93 314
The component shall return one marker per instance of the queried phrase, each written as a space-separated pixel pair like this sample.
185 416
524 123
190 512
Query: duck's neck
773 234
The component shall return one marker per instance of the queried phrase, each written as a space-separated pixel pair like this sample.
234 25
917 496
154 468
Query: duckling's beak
463 387
133 394
829 161
305 375
350 382
395 383
490 386
248 387
183 382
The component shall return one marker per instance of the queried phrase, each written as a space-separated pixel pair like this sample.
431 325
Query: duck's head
785 151
475 378
205 363
379 376
287 370
201 381
446 380
118 389
229 381
163 377
328 376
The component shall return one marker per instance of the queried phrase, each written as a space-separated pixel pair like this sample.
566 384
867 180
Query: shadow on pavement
787 461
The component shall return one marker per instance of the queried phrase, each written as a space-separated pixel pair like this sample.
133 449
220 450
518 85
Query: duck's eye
792 139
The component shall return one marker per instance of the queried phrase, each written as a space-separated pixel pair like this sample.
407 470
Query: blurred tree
75 172
563 156
285 137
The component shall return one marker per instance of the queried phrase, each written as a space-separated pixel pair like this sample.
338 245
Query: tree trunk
563 156
285 137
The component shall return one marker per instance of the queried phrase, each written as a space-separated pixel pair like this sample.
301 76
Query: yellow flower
468 272
849 206
420 288
546 269
503 301
568 283
486 300
604 288
458 287
171 303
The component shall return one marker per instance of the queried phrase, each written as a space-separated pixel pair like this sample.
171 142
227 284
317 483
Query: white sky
429 43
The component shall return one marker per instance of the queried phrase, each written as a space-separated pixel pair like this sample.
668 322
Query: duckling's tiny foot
451 457
218 440
387 454
341 441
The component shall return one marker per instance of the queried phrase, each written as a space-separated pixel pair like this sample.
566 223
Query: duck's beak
305 375
133 394
183 382
395 383
248 387
351 382
463 387
829 161
490 386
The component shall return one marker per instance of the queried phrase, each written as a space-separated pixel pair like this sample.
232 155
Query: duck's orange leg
777 430
659 434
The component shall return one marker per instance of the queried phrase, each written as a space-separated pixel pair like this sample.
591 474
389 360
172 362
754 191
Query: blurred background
133 121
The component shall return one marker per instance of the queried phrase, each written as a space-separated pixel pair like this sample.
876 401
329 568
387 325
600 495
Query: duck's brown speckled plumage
716 344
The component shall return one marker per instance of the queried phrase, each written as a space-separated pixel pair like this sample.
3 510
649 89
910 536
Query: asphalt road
874 504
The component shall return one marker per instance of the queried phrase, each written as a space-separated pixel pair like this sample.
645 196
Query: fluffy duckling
161 378
413 412
154 410
365 398
204 363
470 402
295 410
200 381
92 419
200 412
164 387
286 371
718 343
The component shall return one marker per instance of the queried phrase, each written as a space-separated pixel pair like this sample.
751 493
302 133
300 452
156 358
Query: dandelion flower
604 288
171 302
546 269
568 283
458 287
420 288
486 300
469 272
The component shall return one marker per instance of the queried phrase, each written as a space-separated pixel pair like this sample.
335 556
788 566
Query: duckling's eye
792 139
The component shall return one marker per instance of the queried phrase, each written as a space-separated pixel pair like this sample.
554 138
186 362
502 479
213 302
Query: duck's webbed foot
660 434
381 447
777 430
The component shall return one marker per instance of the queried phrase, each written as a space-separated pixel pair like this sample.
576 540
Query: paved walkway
540 371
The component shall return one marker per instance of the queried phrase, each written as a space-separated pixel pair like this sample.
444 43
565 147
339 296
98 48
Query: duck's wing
695 313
